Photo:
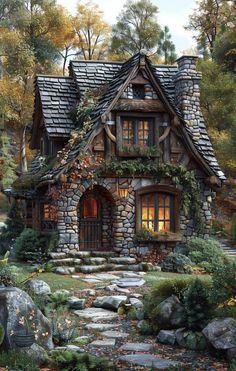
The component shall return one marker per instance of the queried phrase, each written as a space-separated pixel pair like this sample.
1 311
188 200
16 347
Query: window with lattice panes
49 212
157 212
138 91
137 131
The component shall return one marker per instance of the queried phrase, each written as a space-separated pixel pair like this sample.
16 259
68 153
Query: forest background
41 36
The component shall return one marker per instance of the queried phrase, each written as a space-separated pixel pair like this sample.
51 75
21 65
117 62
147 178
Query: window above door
138 131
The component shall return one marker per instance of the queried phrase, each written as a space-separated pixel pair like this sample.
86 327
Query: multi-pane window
157 212
138 91
138 131
49 212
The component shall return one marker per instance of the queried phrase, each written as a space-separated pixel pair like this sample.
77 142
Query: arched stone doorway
95 217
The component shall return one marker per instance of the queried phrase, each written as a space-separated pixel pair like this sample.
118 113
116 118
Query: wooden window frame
161 189
136 116
142 90
50 223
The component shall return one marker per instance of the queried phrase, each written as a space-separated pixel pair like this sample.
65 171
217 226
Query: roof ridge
54 76
97 61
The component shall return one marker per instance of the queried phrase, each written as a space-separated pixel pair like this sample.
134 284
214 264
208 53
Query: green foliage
151 151
32 246
64 328
225 49
183 179
224 283
197 305
136 28
7 164
178 263
166 47
7 277
2 334
146 328
20 361
14 226
59 298
233 229
70 361
206 254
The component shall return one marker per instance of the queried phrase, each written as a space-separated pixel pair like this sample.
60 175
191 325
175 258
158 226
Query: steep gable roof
93 74
58 96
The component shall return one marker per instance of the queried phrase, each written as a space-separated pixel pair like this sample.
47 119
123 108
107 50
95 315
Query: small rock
74 348
136 296
136 303
123 260
106 276
76 303
111 288
137 347
108 343
166 337
39 287
170 313
62 292
114 334
130 275
109 302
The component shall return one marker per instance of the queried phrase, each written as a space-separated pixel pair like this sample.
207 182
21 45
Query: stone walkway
105 332
229 250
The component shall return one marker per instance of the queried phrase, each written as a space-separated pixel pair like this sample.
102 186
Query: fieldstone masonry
118 225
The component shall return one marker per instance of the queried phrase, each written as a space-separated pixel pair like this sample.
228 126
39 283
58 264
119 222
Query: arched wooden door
90 222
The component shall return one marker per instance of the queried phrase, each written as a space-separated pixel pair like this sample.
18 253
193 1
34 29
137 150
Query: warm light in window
49 212
123 192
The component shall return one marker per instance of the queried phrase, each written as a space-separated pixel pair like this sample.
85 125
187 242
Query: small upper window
138 91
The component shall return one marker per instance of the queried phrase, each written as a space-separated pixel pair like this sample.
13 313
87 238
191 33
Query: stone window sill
165 237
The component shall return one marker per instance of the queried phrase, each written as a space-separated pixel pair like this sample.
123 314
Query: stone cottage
124 163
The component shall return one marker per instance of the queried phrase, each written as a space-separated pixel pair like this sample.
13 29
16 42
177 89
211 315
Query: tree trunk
23 159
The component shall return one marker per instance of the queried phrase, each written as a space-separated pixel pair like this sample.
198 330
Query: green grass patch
55 281
154 278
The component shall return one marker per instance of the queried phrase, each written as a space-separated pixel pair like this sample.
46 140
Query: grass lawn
153 278
54 280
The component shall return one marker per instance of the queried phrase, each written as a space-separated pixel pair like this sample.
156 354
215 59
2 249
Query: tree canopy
136 28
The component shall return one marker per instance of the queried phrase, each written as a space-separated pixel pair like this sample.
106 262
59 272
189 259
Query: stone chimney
187 92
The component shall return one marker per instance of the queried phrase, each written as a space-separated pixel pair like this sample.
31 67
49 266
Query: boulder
37 353
39 287
170 313
166 337
109 302
221 333
190 340
18 312
136 303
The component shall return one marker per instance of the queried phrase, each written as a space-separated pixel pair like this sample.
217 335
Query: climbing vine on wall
184 180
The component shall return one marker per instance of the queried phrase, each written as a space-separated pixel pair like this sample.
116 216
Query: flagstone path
116 336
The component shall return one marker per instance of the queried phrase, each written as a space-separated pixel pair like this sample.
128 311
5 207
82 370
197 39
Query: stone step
57 255
95 261
65 262
93 268
79 254
103 254
123 260
64 270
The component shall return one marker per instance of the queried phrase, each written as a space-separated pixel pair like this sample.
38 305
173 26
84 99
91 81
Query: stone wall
119 218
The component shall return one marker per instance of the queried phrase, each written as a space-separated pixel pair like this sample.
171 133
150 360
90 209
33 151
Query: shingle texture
59 95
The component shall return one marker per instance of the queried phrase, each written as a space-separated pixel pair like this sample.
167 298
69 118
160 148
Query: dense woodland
39 36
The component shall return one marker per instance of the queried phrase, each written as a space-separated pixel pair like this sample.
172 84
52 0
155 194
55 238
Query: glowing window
49 212
157 212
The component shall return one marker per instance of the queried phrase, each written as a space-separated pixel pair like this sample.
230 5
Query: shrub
64 329
7 277
224 283
31 246
176 263
15 360
206 254
69 361
197 305
233 229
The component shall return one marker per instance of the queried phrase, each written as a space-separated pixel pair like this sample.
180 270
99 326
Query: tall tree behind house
136 28
166 47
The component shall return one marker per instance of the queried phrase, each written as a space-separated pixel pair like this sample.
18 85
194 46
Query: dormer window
137 131
138 91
